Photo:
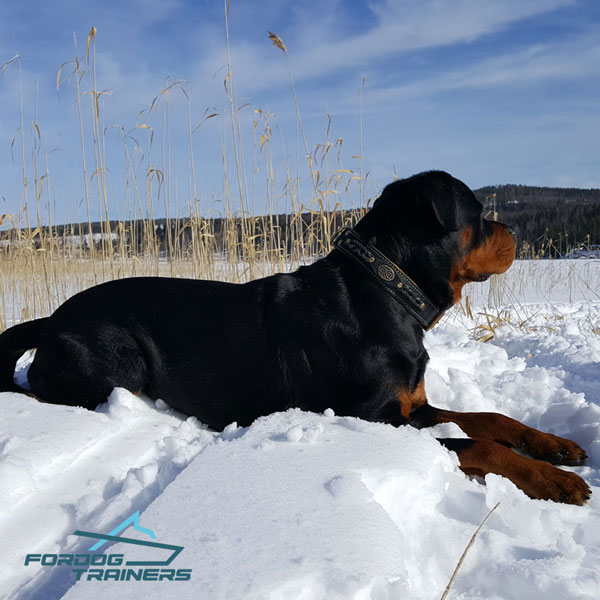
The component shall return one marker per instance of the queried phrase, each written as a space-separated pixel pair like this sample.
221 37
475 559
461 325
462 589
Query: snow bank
65 467
305 506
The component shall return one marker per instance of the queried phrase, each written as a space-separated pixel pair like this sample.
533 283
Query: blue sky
493 91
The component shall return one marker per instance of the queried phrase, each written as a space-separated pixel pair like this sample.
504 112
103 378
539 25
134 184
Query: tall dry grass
43 262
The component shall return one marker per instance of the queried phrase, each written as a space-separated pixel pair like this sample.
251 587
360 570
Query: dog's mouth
474 277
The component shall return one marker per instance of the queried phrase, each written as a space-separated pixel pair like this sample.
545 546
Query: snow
307 506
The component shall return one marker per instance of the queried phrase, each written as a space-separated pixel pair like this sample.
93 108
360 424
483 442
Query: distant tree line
547 221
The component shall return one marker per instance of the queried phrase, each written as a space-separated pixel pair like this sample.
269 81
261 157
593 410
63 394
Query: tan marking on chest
410 400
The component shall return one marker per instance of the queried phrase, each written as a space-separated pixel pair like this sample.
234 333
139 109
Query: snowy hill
307 506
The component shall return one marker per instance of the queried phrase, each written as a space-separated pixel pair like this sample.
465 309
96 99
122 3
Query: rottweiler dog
344 333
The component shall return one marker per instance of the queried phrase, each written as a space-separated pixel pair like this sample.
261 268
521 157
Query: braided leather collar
389 276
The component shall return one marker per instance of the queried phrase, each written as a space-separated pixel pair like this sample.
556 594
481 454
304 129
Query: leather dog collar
389 276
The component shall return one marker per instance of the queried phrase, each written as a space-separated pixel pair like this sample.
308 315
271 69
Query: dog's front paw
550 483
551 448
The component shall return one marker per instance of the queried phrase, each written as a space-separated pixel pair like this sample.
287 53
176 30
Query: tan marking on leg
509 432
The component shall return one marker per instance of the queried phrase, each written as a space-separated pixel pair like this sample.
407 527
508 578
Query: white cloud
537 63
153 11
401 25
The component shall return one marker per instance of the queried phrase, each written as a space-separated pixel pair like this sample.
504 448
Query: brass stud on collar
399 284
422 306
371 259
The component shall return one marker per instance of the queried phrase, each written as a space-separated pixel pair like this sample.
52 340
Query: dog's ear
424 199
444 209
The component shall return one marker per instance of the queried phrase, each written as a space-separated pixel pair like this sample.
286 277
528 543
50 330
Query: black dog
345 332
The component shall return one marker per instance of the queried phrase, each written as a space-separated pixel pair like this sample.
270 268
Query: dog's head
432 226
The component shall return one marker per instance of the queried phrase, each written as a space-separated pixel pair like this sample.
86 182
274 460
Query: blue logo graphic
134 520
97 566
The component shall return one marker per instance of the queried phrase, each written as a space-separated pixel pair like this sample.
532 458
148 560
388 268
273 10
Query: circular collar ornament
386 272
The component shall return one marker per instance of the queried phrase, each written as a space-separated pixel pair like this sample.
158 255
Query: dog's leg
536 478
504 430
